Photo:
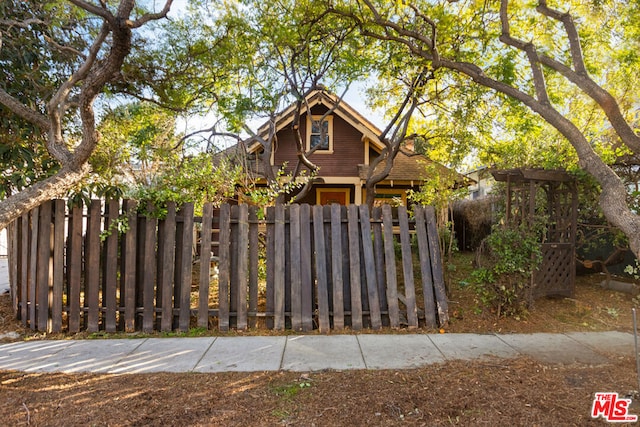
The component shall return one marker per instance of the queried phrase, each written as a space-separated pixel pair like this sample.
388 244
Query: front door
328 196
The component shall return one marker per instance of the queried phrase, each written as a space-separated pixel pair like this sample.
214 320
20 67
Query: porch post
357 197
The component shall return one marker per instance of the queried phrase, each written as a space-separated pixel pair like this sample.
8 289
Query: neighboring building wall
484 183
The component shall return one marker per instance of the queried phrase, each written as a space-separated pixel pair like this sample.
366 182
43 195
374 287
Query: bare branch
212 131
21 24
386 25
152 16
102 12
140 97
63 48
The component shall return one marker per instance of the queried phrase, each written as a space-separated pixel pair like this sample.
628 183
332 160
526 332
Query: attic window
320 134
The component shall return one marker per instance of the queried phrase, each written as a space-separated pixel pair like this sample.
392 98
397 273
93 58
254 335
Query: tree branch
580 77
63 48
59 102
152 16
529 49
102 12
572 35
21 24
602 97
23 111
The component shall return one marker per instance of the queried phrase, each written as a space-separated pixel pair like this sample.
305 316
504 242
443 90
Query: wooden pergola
553 193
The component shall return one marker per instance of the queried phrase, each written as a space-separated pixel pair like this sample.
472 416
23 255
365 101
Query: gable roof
321 96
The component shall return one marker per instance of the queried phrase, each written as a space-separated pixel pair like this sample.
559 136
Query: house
345 143
481 182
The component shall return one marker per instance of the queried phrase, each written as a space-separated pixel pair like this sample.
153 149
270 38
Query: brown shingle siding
348 150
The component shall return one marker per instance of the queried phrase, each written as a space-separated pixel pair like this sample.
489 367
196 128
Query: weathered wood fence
301 267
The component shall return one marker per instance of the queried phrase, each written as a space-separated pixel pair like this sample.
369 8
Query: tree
535 58
282 51
290 48
63 112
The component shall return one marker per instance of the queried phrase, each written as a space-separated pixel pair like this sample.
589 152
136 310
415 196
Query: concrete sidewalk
302 352
306 352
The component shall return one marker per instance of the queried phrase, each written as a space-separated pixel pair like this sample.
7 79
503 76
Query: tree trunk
50 188
91 76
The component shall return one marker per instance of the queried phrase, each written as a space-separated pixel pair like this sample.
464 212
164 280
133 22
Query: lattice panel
561 214
556 273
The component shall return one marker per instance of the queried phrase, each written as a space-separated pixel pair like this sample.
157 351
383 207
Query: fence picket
74 269
321 269
149 273
390 264
253 264
378 253
436 266
14 266
130 208
346 270
205 266
295 264
186 261
336 266
24 268
270 261
354 267
370 268
279 265
92 270
223 271
425 267
243 264
111 265
58 266
306 275
326 221
166 269
33 267
407 268
43 273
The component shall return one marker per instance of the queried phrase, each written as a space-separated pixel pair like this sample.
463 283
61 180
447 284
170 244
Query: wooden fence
301 267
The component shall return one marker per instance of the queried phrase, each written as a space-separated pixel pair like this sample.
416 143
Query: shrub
513 253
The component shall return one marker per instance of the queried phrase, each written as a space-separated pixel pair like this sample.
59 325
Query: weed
613 312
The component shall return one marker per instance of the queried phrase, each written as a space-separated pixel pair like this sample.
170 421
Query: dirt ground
498 392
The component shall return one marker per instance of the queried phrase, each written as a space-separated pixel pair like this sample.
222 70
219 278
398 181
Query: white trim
339 180
357 196
366 151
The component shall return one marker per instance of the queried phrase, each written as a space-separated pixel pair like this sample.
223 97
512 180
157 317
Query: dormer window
320 134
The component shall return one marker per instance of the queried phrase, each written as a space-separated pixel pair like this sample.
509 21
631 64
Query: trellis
553 193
